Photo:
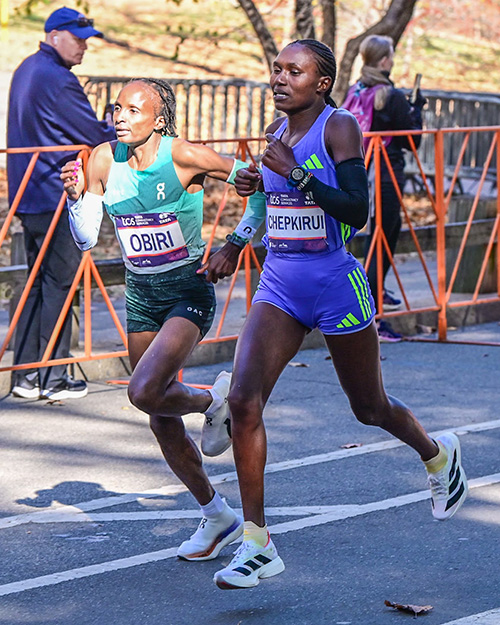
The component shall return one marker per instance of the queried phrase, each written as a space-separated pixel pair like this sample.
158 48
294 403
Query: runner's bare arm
97 172
343 136
192 159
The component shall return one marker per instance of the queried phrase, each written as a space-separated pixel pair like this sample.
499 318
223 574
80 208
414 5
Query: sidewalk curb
119 368
213 353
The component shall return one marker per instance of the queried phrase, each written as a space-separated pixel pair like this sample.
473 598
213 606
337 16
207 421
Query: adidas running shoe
449 485
216 430
211 536
250 564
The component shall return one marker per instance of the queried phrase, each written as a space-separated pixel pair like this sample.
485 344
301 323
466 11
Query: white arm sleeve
85 217
254 215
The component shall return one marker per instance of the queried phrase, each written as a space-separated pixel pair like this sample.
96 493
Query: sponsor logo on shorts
196 311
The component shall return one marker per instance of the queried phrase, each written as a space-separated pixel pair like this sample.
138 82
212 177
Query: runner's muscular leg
156 359
267 342
356 358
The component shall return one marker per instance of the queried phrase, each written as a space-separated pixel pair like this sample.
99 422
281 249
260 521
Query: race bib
151 240
295 223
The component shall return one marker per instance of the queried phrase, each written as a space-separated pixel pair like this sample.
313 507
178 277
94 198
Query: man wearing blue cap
47 107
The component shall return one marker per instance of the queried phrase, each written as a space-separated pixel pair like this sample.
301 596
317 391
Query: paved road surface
90 517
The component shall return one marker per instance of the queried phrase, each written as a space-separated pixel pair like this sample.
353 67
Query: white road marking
174 489
280 528
492 617
86 571
164 515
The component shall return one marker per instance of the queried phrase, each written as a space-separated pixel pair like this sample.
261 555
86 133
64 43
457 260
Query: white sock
217 402
215 507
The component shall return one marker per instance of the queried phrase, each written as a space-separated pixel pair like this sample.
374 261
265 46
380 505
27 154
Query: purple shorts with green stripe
325 291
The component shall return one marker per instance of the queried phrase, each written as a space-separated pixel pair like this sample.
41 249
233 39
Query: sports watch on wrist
299 177
237 240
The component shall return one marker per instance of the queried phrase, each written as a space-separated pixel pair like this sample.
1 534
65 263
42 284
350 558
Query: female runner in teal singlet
150 183
316 192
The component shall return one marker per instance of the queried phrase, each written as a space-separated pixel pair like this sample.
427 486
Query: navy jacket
47 106
398 114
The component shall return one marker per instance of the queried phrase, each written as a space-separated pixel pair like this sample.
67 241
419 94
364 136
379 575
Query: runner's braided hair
167 97
325 60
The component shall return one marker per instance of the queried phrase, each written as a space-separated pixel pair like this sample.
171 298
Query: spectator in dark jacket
379 106
48 107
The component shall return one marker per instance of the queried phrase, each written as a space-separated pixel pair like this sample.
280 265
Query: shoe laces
201 527
241 552
437 484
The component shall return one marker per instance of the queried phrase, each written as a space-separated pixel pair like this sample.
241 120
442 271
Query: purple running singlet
308 273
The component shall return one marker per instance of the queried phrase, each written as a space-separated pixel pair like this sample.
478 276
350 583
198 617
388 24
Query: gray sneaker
26 388
66 389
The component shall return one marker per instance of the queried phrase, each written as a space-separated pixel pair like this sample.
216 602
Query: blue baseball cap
72 20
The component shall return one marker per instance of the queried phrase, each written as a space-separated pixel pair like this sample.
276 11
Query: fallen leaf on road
412 609
351 445
297 364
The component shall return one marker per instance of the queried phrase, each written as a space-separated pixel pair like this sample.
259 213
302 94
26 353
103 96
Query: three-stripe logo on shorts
358 282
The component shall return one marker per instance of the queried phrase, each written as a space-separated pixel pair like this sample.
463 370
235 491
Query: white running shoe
250 564
449 485
211 536
216 430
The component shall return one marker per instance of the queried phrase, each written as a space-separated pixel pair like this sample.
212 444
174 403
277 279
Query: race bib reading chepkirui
295 223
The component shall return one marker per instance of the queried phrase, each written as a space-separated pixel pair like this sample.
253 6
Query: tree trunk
328 10
393 24
266 39
304 19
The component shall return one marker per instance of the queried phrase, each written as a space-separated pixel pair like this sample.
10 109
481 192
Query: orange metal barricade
440 288
88 270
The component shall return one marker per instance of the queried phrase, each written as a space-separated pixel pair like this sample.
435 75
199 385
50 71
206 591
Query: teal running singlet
157 222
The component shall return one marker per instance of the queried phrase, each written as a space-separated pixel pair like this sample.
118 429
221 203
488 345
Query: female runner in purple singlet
314 196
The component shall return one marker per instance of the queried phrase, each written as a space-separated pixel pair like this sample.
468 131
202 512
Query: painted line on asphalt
165 515
492 617
280 528
175 489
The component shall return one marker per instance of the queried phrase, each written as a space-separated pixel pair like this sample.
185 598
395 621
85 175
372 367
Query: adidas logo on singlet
313 162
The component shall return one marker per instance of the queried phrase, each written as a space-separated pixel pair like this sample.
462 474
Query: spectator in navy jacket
47 106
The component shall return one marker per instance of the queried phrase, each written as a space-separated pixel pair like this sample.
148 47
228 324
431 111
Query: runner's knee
143 395
370 412
245 409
